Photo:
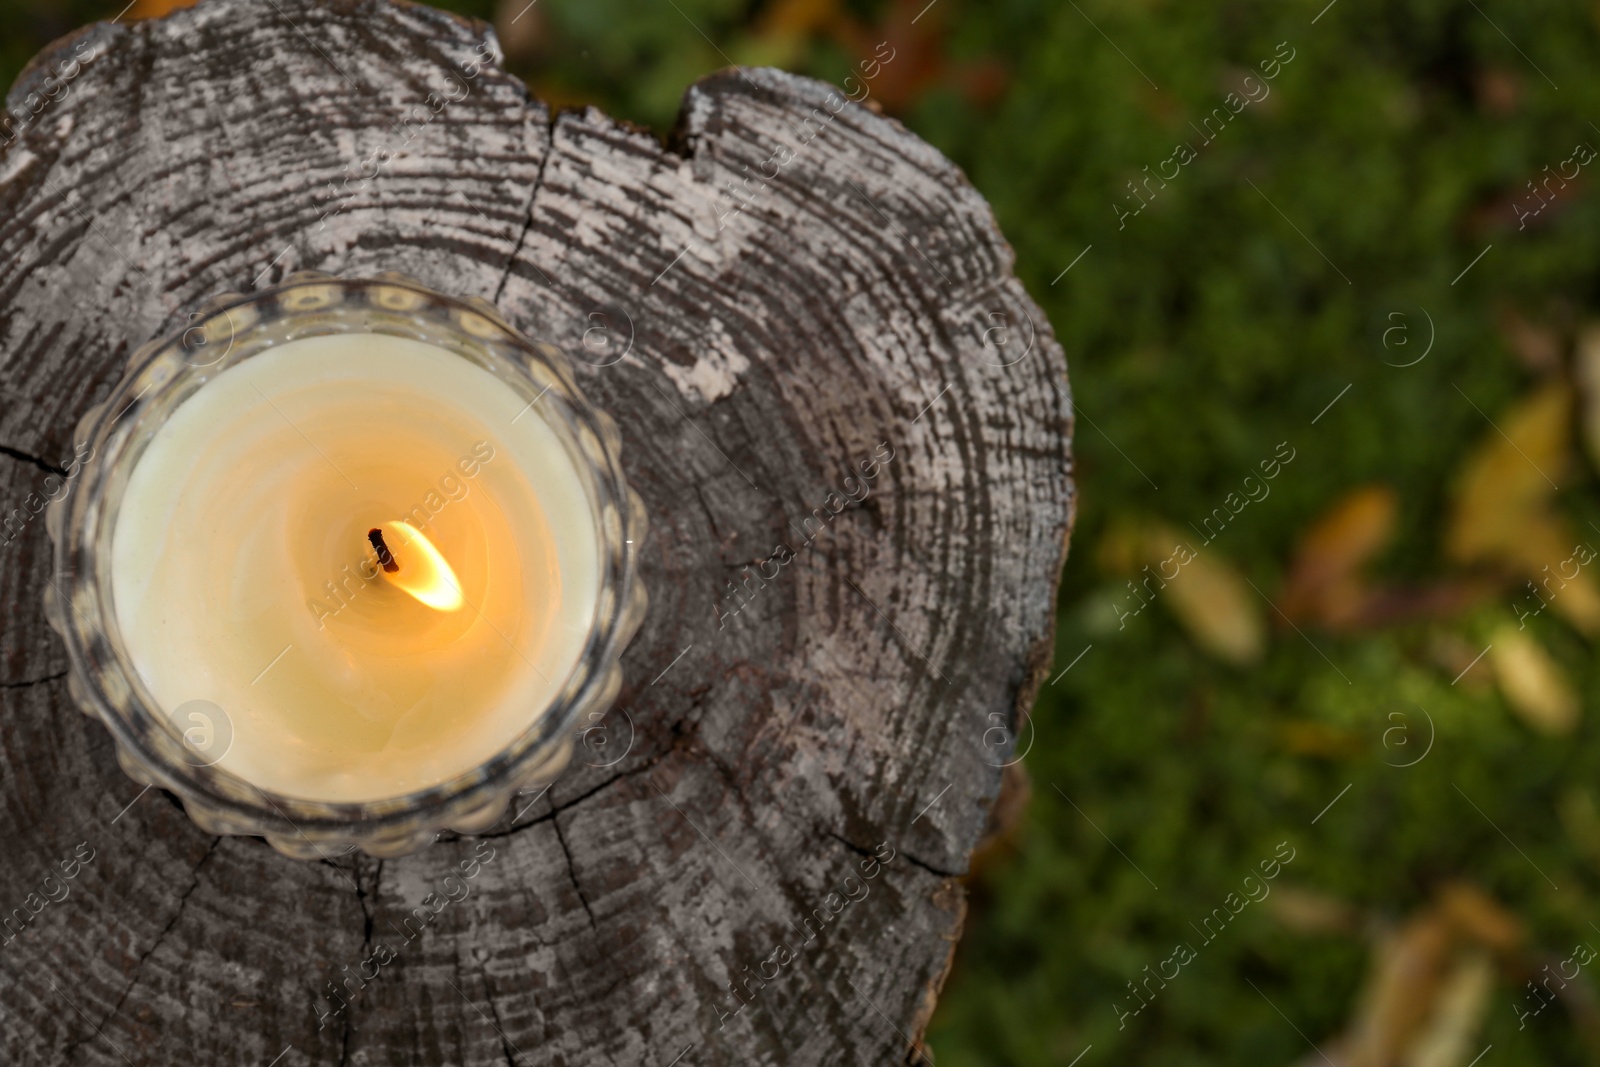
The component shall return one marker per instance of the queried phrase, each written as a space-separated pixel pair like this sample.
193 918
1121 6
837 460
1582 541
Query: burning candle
375 565
377 560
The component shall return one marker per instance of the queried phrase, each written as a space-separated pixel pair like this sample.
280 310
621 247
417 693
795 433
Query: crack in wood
30 458
138 969
494 1010
851 845
533 200
572 874
346 1027
925 865
361 899
33 682
558 809
347 1016
939 872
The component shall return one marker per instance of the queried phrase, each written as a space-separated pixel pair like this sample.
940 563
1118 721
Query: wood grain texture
831 668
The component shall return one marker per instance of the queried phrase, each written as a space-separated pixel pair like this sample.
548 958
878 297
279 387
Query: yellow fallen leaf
1504 510
1208 597
1400 991
1450 1036
1503 498
1534 684
1428 984
1579 602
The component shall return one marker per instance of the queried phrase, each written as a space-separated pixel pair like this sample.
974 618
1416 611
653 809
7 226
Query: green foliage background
1199 336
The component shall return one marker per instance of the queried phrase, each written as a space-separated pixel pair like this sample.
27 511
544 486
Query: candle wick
385 557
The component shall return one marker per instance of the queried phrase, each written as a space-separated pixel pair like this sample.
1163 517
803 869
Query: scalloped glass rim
159 377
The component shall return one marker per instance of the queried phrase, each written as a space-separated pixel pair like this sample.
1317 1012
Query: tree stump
756 859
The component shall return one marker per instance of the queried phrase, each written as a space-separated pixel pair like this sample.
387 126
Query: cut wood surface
833 669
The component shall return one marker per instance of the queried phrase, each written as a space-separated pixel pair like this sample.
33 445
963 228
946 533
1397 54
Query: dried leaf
1534 684
800 18
1310 911
1325 583
520 25
907 54
1502 500
1208 597
915 51
1427 992
154 9
1478 916
1450 1037
1503 512
1400 992
1577 601
1349 533
1555 579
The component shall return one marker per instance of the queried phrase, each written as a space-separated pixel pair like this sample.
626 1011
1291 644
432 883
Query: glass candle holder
175 748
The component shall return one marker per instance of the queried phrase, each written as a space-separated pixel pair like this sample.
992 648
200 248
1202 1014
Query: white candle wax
243 572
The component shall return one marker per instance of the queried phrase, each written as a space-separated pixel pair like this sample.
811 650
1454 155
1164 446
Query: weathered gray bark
861 295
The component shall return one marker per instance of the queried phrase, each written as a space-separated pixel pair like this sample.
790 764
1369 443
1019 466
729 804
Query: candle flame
423 572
